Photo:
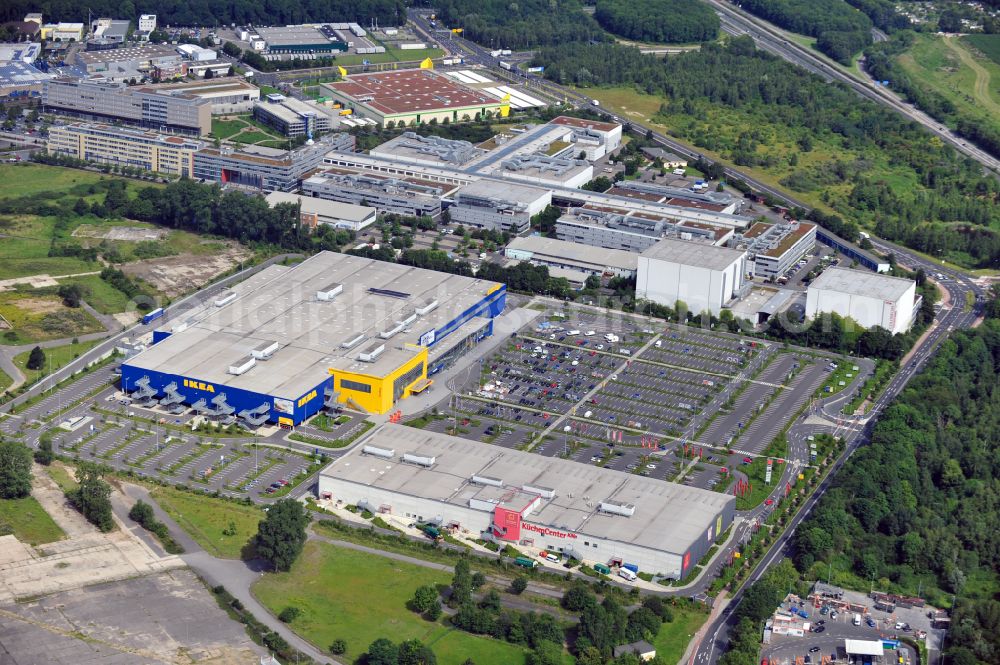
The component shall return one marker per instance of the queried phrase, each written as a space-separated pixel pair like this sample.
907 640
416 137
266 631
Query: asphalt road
857 430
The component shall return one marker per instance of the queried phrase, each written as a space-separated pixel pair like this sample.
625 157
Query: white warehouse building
703 276
593 514
870 299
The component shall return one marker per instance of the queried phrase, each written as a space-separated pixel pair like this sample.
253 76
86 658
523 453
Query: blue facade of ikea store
194 388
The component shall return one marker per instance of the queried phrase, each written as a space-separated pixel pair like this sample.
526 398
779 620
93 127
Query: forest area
658 21
840 30
868 164
522 24
916 510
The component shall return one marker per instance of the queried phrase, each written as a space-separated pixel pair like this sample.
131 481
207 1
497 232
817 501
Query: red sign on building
508 523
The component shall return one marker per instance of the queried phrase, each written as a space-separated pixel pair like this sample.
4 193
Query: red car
747 460
769 502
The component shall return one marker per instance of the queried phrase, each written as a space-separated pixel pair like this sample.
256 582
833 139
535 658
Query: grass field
28 521
205 518
62 477
988 45
673 637
392 54
100 295
327 582
29 179
244 129
223 129
57 357
5 382
950 68
37 317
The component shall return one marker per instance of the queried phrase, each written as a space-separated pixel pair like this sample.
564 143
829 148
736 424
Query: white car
590 333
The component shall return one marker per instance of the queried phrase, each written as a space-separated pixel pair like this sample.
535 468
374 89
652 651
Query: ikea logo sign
198 385
307 398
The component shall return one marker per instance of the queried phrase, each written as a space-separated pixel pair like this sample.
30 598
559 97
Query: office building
585 512
125 147
314 211
334 329
498 206
870 299
774 249
111 102
147 23
389 194
293 117
704 277
631 230
227 96
430 150
265 169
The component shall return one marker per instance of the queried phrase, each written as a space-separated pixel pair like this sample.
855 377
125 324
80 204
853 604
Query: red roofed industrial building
410 96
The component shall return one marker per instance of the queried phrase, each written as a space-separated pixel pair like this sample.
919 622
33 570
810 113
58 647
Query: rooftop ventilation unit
243 367
372 353
265 350
426 461
427 309
487 480
352 341
225 299
329 292
617 508
386 334
387 453
545 492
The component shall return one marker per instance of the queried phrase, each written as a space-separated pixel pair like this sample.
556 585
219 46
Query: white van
573 332
626 574
857 619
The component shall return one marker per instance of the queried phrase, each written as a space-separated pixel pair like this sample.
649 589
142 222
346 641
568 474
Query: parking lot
669 402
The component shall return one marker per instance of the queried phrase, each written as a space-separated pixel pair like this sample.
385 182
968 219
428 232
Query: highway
735 21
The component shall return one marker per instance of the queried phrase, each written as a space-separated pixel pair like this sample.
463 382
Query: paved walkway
236 576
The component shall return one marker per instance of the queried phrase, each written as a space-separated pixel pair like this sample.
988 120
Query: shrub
338 647
289 614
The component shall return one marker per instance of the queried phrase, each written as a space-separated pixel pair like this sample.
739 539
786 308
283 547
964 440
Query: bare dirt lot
167 617
176 275
129 233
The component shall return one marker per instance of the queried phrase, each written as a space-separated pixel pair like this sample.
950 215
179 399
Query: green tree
15 470
71 294
382 652
338 647
44 454
578 597
36 359
546 653
93 496
289 614
461 584
141 513
282 534
423 598
519 584
414 652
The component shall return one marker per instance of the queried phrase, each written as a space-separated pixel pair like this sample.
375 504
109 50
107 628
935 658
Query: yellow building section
378 394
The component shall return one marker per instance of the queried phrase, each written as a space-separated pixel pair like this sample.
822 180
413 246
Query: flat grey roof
279 304
668 516
572 252
862 283
324 207
292 35
702 255
507 191
292 110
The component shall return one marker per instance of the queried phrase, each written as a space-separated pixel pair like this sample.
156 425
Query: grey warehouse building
593 514
498 206
400 195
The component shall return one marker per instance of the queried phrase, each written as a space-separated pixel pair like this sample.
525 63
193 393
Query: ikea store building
334 329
